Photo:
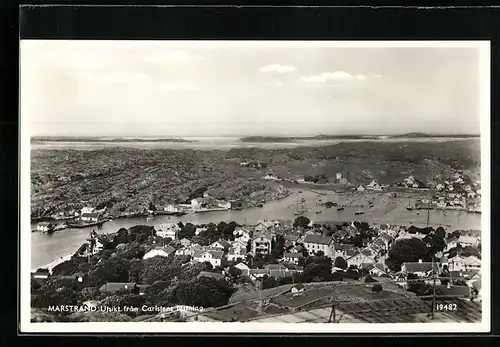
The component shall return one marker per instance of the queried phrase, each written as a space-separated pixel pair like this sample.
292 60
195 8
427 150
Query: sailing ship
300 207
409 208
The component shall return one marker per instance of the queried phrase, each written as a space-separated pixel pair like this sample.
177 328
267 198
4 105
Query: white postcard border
213 327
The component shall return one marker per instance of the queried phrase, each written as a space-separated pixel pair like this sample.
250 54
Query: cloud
277 68
166 87
174 56
278 84
109 77
336 79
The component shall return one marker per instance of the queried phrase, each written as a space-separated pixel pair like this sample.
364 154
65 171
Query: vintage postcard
273 186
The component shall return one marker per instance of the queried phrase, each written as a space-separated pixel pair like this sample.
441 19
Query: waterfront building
169 230
170 208
197 203
316 242
89 217
44 226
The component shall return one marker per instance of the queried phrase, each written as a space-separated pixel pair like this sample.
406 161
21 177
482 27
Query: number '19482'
446 307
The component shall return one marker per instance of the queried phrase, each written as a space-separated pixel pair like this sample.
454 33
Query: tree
440 232
317 269
369 279
340 263
301 222
187 231
134 272
406 250
320 254
234 272
132 250
71 266
121 236
203 292
249 246
113 269
434 242
159 269
269 282
377 288
48 296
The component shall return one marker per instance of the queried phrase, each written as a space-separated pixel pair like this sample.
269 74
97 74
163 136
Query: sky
174 88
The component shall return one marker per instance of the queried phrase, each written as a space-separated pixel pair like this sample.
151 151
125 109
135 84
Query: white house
472 263
344 250
44 226
89 217
456 264
297 289
185 242
198 231
159 252
85 210
243 267
421 269
226 205
316 242
360 258
167 230
338 176
196 203
242 234
261 243
441 204
238 244
170 208
361 188
439 187
373 185
468 240
221 245
452 243
264 226
236 253
213 257
292 257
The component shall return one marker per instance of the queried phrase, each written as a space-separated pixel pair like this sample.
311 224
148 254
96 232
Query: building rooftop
319 239
112 287
420 267
406 310
214 275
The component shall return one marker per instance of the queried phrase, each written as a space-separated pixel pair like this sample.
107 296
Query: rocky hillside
129 180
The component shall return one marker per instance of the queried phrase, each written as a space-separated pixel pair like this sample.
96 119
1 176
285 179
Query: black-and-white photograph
342 185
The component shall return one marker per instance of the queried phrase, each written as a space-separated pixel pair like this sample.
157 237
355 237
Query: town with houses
279 268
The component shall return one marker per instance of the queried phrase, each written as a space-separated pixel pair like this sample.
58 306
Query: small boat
340 208
357 213
260 205
318 212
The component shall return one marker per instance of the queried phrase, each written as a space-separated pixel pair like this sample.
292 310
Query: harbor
45 248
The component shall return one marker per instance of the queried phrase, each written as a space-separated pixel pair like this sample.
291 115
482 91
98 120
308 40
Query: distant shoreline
351 137
36 139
